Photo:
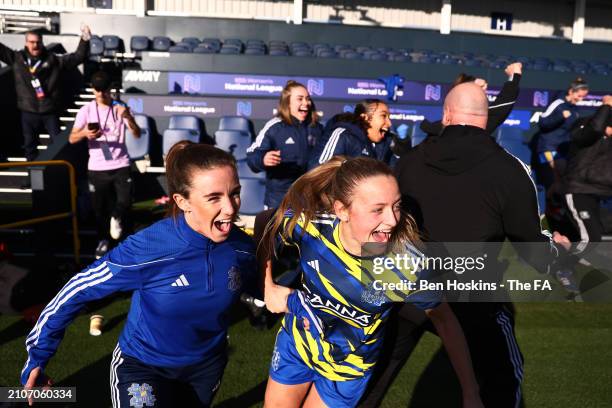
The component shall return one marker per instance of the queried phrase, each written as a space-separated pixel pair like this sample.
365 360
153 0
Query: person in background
282 147
102 123
499 110
364 132
588 178
38 85
185 271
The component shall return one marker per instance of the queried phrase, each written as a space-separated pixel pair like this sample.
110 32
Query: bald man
463 187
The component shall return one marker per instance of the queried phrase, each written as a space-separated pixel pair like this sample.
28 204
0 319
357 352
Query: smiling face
372 215
34 44
574 97
213 202
299 103
379 122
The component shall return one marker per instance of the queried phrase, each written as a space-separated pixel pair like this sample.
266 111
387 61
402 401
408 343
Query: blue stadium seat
173 136
244 171
138 147
190 122
327 54
234 123
191 40
472 63
161 43
363 49
277 43
96 46
279 53
179 48
214 42
233 41
112 44
254 51
302 53
350 55
204 50
234 141
139 43
378 57
252 196
229 50
340 47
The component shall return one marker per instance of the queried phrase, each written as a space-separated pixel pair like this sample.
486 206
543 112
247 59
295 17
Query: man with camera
102 122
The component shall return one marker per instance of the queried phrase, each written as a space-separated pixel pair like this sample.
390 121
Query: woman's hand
33 380
272 158
275 296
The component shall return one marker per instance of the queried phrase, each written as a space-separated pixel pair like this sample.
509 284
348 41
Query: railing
72 214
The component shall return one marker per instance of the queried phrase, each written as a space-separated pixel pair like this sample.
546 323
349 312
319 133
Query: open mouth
303 111
224 226
381 236
383 131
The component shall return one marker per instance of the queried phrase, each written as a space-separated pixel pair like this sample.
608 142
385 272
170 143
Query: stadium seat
229 50
96 46
179 48
173 136
254 51
402 58
302 53
112 45
279 53
234 141
189 122
350 55
234 123
214 42
378 57
327 54
139 43
138 148
244 171
191 40
161 43
204 50
233 41
252 196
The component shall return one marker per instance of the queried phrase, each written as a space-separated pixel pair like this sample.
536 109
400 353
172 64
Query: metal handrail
76 243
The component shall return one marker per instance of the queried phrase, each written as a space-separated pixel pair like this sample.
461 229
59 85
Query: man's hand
514 68
272 158
566 114
481 83
607 100
37 377
85 32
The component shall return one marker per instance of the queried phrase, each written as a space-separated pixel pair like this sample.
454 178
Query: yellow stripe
300 345
335 294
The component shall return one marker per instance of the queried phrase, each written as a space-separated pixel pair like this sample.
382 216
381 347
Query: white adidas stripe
114 379
552 107
262 134
76 280
330 146
64 300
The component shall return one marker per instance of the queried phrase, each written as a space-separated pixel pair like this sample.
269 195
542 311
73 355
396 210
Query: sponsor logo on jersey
362 319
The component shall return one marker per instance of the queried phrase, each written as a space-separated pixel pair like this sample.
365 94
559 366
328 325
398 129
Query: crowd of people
331 192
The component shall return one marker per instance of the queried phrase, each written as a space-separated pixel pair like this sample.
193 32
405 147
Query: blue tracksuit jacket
183 285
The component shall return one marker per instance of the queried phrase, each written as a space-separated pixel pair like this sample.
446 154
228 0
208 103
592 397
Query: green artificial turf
567 349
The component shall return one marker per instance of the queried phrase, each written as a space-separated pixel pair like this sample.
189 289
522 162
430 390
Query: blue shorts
287 367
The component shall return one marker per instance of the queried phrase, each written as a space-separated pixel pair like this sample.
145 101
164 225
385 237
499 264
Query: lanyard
110 109
33 68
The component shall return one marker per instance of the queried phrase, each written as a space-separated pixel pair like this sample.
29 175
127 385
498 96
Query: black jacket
498 109
589 167
48 74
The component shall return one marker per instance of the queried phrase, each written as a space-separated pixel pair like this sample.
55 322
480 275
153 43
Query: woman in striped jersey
333 327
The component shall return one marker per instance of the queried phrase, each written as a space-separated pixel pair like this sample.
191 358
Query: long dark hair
366 108
316 191
183 160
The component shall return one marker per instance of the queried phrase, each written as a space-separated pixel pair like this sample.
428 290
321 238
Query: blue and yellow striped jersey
343 300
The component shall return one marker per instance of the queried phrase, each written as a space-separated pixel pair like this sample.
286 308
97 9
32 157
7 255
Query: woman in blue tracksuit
282 147
185 272
554 136
361 133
